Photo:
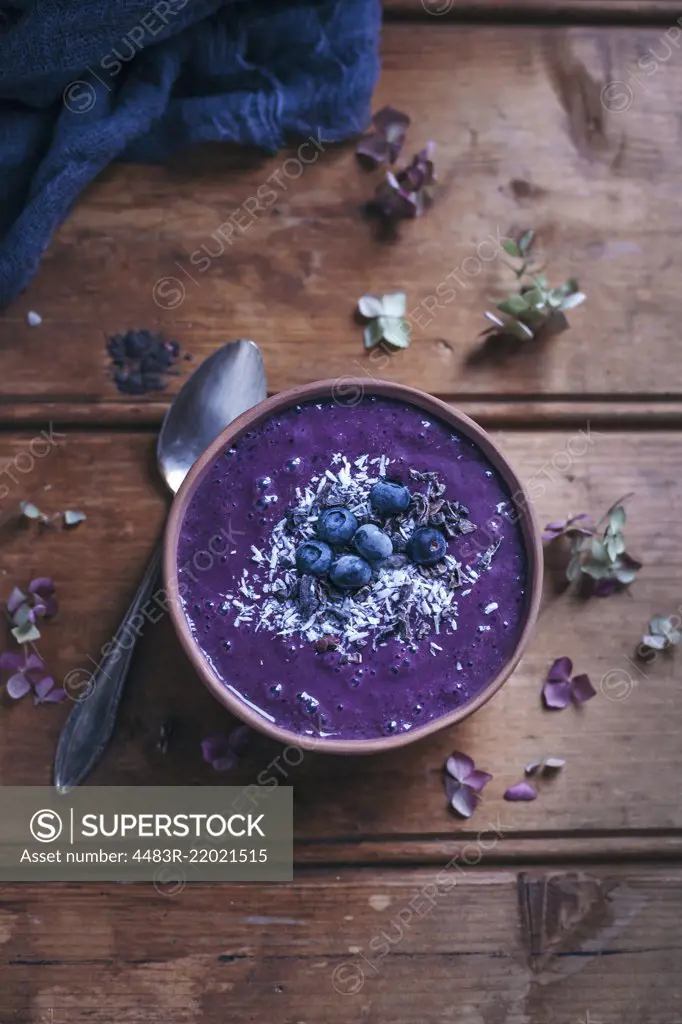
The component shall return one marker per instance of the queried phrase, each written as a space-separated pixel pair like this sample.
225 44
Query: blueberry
427 546
313 556
372 543
336 525
388 498
350 572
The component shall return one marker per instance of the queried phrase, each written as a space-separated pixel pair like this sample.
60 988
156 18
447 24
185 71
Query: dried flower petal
370 306
395 331
520 791
533 766
42 688
476 780
553 763
15 600
31 511
11 660
34 663
560 670
73 516
655 643
55 696
464 801
557 695
41 585
582 689
372 334
26 634
394 304
216 751
18 686
459 766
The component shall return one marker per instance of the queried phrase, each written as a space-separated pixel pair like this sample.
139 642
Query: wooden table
564 910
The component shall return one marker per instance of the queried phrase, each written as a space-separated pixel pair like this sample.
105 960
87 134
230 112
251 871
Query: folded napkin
85 82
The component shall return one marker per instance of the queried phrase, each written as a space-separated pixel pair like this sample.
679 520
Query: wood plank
607 789
600 11
413 947
523 139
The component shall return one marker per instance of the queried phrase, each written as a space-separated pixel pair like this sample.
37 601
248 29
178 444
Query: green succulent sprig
525 311
601 554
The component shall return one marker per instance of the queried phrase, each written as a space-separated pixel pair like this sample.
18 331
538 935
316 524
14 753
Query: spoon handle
90 725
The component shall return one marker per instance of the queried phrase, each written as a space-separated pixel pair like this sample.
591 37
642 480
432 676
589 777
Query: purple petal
557 695
560 671
451 787
42 586
239 739
557 525
521 791
582 688
603 588
15 600
374 148
476 780
36 612
55 696
215 747
224 764
459 766
43 687
34 663
18 686
51 606
464 801
10 661
388 116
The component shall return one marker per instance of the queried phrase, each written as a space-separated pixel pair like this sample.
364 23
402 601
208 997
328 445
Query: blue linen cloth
85 82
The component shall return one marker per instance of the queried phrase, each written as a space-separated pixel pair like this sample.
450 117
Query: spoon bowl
224 386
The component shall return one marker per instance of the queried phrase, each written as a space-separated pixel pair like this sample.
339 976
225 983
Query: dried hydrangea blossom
387 320
383 145
663 633
561 686
463 783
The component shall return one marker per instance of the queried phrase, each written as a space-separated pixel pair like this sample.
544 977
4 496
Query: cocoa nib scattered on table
142 361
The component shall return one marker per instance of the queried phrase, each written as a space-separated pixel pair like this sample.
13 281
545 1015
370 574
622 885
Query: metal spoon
225 385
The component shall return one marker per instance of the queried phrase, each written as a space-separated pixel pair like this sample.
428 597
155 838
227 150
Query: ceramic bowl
329 389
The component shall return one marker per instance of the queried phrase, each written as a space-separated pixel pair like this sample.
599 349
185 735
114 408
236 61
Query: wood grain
524 139
607 790
470 946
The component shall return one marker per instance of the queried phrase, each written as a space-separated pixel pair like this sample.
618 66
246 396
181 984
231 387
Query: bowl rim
355 388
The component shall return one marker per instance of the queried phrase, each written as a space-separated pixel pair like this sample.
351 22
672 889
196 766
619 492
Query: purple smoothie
229 570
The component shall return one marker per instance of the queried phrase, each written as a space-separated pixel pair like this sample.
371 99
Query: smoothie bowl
352 574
